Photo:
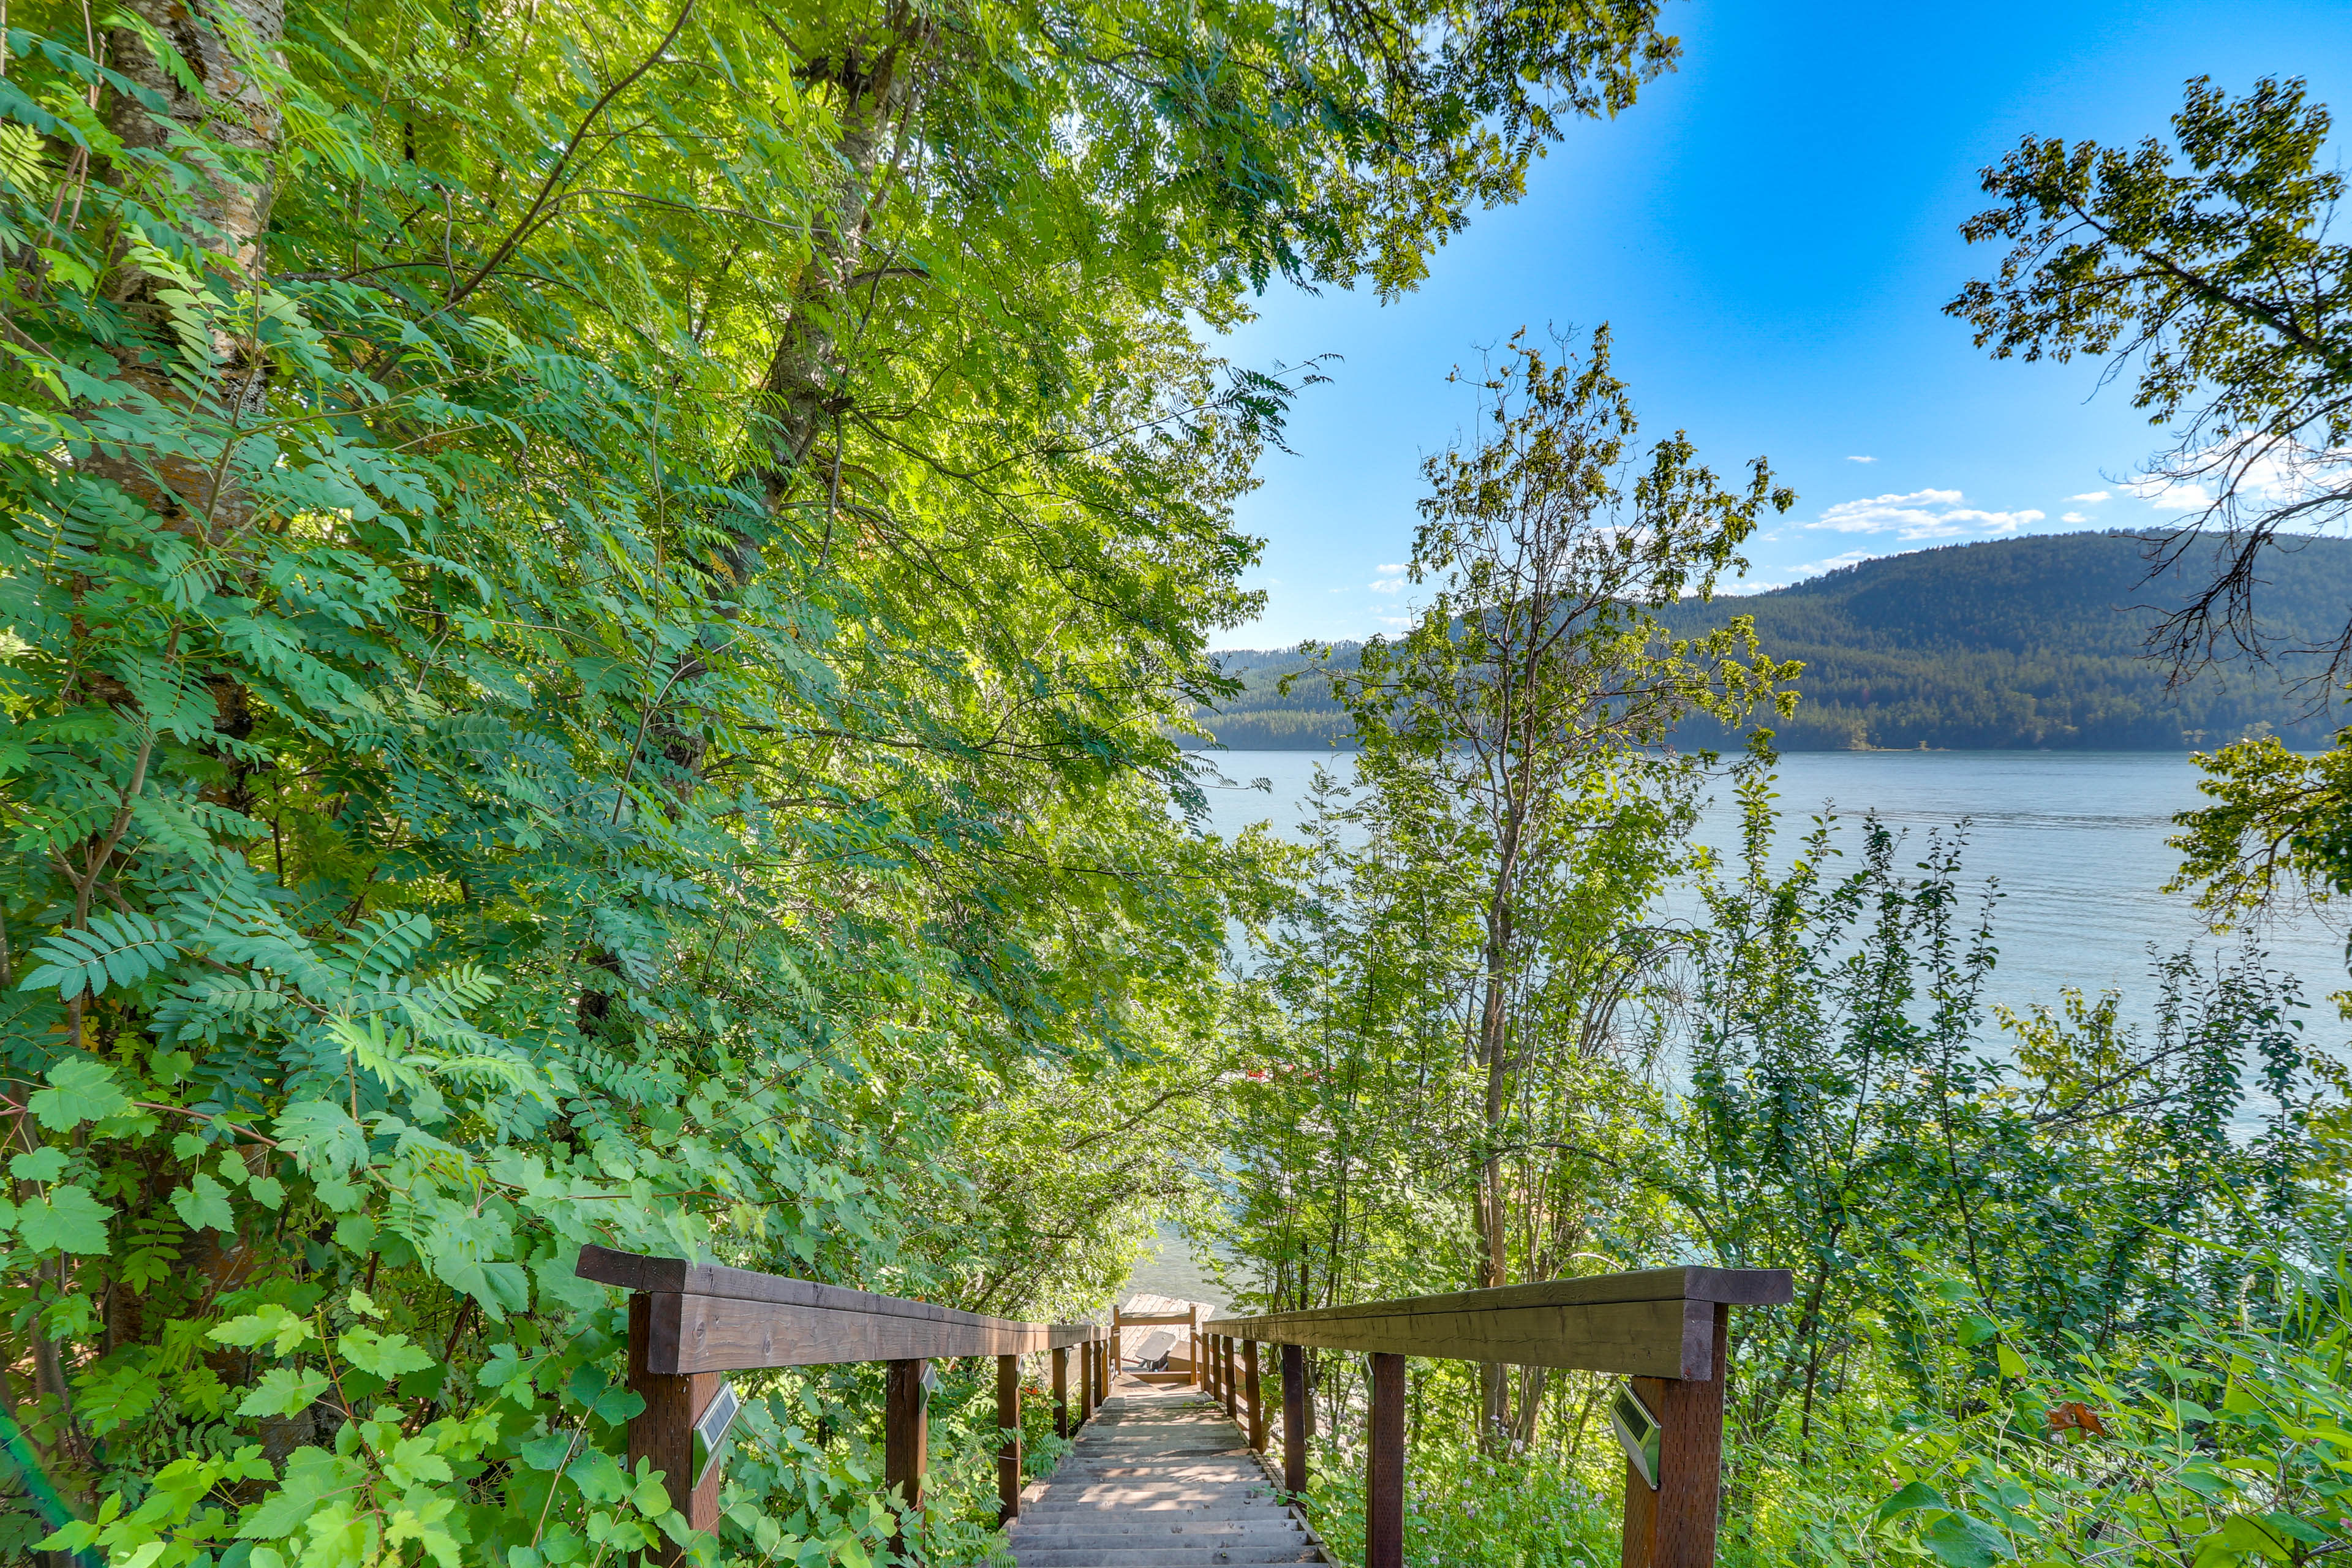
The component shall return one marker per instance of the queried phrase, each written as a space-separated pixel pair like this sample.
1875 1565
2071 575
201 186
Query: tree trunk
878 79
223 42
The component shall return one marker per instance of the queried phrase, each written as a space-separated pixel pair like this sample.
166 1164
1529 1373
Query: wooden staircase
1159 1478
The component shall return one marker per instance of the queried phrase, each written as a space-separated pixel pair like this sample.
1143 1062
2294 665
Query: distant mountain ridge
2033 642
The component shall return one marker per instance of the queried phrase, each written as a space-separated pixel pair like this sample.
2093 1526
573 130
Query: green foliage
2279 832
2209 265
594 602
1996 1221
1446 1086
2228 1445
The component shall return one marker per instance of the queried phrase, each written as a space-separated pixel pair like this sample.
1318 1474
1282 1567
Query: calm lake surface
2074 841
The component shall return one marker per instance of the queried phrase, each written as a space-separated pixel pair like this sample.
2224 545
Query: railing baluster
1297 1418
1384 1482
1674 1527
1232 1394
663 1431
905 1432
1250 1395
1061 1391
1008 1445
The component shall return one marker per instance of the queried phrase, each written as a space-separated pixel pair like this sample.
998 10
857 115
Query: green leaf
204 1204
283 1390
598 1477
2239 1537
2012 1364
321 1137
282 1328
115 950
41 1165
385 1355
68 1220
547 1453
313 1475
1960 1541
80 1090
1911 1500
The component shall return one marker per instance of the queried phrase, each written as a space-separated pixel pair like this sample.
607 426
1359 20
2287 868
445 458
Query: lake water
2075 839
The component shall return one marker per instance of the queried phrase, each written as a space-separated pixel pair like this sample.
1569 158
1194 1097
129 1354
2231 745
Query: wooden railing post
1194 1309
1232 1392
1111 1372
1384 1488
1086 1382
1297 1418
1061 1391
1008 1443
1674 1527
1105 1367
663 1431
905 1432
1250 1395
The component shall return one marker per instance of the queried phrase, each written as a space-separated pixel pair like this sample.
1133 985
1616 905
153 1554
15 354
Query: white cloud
1861 459
1386 585
1921 514
1794 575
2074 517
1389 570
2090 495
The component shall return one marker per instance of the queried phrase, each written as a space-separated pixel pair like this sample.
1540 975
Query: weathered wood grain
905 1432
1668 1337
1297 1419
1675 1525
1008 1445
720 1334
1735 1287
662 1431
1384 1459
820 1323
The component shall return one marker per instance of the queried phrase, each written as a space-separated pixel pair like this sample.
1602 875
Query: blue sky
1771 232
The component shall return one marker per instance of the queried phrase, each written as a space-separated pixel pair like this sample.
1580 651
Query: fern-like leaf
114 949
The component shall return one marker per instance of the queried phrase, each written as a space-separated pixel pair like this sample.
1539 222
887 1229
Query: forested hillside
2018 642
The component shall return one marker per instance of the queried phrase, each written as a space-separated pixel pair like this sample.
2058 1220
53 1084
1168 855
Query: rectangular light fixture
710 1429
1638 1432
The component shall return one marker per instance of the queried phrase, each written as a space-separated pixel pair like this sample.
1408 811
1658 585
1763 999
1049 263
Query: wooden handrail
1664 1329
689 1323
1657 1322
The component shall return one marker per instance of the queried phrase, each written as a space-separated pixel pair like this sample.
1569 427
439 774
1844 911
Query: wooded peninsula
2039 642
